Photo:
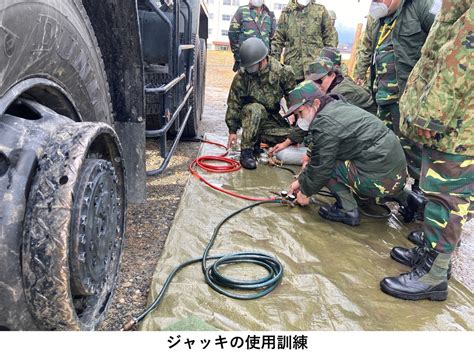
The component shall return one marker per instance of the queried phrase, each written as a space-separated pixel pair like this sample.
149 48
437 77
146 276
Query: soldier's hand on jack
232 140
426 133
294 188
302 199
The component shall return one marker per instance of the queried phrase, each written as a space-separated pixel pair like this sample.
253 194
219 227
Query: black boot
247 159
411 257
414 207
417 237
334 213
427 280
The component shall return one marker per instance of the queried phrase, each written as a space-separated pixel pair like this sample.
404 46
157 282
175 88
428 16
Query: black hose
218 281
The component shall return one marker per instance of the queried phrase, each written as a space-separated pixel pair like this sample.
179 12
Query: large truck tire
192 126
54 40
50 55
74 227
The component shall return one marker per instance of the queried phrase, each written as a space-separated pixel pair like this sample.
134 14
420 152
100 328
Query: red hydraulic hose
230 165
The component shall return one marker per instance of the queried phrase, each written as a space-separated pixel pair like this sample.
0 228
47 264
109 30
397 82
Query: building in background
220 15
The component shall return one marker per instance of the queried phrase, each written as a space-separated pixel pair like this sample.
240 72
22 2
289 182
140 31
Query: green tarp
331 276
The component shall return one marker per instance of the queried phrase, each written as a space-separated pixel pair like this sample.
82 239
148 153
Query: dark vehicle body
83 83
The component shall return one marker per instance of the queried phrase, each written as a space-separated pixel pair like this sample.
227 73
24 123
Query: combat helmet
252 52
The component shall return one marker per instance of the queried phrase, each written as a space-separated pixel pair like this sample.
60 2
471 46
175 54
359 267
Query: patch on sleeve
436 8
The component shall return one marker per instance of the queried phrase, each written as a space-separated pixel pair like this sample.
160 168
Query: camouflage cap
333 54
332 14
304 92
320 68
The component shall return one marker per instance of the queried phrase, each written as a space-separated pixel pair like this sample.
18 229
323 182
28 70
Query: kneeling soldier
353 151
254 100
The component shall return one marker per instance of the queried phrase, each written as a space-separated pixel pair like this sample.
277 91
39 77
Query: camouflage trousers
258 125
346 180
448 182
390 115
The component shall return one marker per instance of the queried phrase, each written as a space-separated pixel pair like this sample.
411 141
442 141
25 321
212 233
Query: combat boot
247 159
414 207
417 237
411 257
334 213
427 280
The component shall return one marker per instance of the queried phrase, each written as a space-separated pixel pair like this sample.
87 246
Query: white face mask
378 10
303 2
303 123
256 3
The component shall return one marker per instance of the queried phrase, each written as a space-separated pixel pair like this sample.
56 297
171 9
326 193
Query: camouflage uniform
335 56
333 16
254 104
302 32
364 51
396 46
439 98
353 152
248 23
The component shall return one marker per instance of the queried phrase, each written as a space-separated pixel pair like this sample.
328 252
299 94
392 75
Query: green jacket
355 94
344 132
302 32
410 32
267 88
440 91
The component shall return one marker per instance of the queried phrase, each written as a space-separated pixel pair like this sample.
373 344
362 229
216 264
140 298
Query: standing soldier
254 101
364 53
304 28
437 111
252 20
332 14
399 31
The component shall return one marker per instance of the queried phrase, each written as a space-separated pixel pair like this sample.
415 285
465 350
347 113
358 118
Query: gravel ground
148 225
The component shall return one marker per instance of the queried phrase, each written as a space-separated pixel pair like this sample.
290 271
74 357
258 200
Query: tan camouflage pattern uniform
440 97
302 32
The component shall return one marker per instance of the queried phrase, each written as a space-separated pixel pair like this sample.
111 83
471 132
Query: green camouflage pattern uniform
397 44
440 98
253 104
365 51
353 152
335 56
248 23
385 86
302 32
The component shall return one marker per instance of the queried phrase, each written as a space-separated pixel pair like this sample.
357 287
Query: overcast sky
349 12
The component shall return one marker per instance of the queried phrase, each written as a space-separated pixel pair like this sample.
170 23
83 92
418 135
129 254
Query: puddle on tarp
331 276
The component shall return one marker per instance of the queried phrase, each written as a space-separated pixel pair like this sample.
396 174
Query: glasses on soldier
320 81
